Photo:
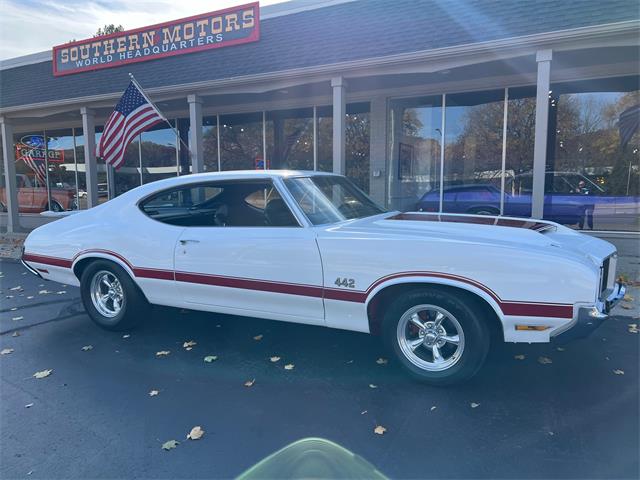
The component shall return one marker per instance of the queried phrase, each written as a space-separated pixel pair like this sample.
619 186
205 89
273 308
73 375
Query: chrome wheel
107 294
430 337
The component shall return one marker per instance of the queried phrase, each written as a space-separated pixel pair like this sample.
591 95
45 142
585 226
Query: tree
108 29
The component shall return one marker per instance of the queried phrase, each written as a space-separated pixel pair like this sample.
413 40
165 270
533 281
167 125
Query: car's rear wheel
436 335
484 211
110 296
55 207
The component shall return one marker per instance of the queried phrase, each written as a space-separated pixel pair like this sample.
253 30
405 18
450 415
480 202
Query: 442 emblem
345 282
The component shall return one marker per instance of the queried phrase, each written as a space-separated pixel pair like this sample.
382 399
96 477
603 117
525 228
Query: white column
195 133
543 57
90 163
339 111
11 190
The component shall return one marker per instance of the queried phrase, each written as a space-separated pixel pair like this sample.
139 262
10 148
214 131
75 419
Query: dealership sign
223 28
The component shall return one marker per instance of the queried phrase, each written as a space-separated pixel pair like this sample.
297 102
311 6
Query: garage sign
223 28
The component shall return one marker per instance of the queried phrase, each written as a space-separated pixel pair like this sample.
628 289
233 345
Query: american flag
38 166
133 115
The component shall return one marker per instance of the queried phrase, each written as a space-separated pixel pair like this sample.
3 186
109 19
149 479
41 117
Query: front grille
605 274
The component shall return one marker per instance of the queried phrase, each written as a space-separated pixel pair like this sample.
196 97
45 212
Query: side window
221 204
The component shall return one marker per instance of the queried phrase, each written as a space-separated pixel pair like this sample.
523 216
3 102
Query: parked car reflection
570 199
34 199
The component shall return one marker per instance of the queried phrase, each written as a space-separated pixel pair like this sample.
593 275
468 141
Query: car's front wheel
110 296
438 336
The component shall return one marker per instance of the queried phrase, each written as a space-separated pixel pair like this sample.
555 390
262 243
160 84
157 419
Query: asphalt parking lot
92 417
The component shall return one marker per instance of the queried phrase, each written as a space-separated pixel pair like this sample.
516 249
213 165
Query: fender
107 255
437 278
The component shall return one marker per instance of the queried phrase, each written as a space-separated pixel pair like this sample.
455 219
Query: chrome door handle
184 242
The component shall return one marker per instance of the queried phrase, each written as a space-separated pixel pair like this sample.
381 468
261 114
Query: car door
244 252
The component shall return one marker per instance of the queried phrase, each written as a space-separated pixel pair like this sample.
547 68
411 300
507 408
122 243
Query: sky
30 26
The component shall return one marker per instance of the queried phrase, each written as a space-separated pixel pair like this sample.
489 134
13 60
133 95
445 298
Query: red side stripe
520 309
250 284
536 310
55 261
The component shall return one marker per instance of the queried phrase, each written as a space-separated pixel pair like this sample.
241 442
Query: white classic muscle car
310 247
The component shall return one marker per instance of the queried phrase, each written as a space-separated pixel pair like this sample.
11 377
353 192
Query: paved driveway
93 416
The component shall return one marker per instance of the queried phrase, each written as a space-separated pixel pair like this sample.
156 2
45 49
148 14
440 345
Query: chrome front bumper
591 317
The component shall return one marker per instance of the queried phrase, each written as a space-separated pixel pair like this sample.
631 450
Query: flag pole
175 130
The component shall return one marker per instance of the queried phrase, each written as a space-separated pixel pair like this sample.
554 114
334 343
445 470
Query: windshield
330 199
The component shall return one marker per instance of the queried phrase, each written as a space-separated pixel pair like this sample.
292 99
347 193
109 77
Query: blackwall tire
110 297
452 342
55 207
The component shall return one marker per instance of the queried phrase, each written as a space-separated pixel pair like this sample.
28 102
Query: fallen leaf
43 292
618 372
210 358
474 405
382 361
433 408
289 366
28 405
544 360
363 412
274 359
633 328
372 385
153 393
13 309
162 353
6 351
257 338
43 373
30 297
560 349
170 444
189 348
626 306
249 383
126 335
15 334
627 298
188 344
196 433
16 288
86 348
61 292
17 318
519 357
379 430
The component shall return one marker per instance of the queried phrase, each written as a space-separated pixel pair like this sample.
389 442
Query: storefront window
128 175
290 139
103 187
593 161
35 164
63 169
473 152
518 174
210 143
241 141
415 133
159 156
357 142
324 117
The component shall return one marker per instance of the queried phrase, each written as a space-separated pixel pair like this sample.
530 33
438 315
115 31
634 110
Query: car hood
507 232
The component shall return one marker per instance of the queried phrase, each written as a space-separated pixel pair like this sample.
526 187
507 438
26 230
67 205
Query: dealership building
521 108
